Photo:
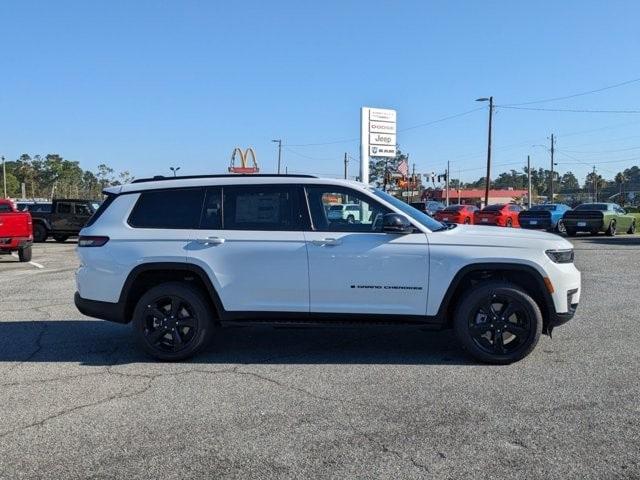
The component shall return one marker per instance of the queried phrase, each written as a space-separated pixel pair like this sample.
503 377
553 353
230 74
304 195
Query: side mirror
396 223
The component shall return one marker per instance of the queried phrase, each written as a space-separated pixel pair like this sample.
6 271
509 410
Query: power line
568 110
576 94
441 119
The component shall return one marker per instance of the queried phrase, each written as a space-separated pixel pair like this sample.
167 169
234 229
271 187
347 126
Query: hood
499 237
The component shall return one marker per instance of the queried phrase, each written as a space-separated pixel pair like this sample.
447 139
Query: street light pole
488 178
279 142
4 177
529 180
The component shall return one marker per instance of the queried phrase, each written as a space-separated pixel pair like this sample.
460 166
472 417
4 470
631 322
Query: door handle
211 241
326 241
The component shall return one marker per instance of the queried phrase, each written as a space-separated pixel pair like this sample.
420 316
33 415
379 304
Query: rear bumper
11 244
113 312
585 225
544 224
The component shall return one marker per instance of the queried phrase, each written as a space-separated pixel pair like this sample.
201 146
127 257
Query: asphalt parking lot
80 400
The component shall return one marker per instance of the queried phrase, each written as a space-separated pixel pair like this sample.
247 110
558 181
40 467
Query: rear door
355 268
81 214
251 244
61 217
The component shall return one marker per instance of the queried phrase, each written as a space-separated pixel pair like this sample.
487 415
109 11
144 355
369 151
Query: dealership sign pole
377 137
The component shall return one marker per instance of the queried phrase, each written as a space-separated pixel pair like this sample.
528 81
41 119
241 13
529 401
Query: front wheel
632 229
24 254
611 231
173 321
498 322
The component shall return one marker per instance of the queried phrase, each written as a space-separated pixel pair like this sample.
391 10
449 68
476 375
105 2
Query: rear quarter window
170 209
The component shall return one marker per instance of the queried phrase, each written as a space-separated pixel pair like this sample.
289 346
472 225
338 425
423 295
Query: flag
403 168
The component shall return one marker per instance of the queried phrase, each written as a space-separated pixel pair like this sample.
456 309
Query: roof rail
159 178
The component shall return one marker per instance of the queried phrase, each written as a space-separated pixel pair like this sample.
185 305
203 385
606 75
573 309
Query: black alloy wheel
632 228
173 321
498 323
611 231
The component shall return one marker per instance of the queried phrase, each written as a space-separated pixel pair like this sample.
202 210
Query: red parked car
456 214
16 231
502 215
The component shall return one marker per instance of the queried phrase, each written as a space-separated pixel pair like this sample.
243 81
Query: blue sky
145 85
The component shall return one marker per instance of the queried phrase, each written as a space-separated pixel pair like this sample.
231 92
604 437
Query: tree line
52 176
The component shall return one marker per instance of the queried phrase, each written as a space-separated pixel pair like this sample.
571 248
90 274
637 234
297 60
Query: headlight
560 256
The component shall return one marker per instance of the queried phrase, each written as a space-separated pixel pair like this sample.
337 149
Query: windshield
417 215
593 206
547 208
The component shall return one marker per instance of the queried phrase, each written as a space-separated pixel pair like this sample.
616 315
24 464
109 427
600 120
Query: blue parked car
547 216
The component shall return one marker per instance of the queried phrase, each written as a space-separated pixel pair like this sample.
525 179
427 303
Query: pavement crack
36 350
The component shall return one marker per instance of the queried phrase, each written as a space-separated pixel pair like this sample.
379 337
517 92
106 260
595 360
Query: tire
60 238
560 228
24 254
160 321
611 231
478 323
572 232
40 233
351 219
509 223
632 228
467 221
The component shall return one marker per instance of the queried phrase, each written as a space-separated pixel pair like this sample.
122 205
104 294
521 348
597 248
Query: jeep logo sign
382 139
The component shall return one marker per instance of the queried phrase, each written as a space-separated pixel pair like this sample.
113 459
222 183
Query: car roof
205 181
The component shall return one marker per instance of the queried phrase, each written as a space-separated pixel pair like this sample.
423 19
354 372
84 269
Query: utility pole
279 142
529 180
446 179
346 162
552 164
459 186
4 177
595 185
488 178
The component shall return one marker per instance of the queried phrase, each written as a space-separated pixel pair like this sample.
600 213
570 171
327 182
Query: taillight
92 241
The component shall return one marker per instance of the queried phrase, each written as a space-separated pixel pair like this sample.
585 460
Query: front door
252 246
354 267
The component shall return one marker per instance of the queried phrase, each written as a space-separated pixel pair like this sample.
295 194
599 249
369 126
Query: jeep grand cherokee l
179 257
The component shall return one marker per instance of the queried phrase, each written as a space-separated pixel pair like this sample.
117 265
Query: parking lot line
37 265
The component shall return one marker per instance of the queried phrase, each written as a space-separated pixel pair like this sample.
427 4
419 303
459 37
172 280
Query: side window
82 209
5 209
365 215
262 207
212 212
64 207
178 208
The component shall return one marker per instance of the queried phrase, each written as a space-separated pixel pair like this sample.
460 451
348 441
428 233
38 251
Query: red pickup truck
16 231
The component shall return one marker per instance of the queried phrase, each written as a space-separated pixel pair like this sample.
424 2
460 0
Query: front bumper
113 312
557 319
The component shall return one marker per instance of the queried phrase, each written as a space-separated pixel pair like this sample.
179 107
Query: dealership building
476 196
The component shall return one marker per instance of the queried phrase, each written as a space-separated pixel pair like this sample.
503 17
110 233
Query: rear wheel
632 228
40 233
173 321
24 254
467 221
498 322
560 228
60 238
509 223
611 231
351 219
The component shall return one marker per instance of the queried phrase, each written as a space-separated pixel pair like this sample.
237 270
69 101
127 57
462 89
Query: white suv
178 257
